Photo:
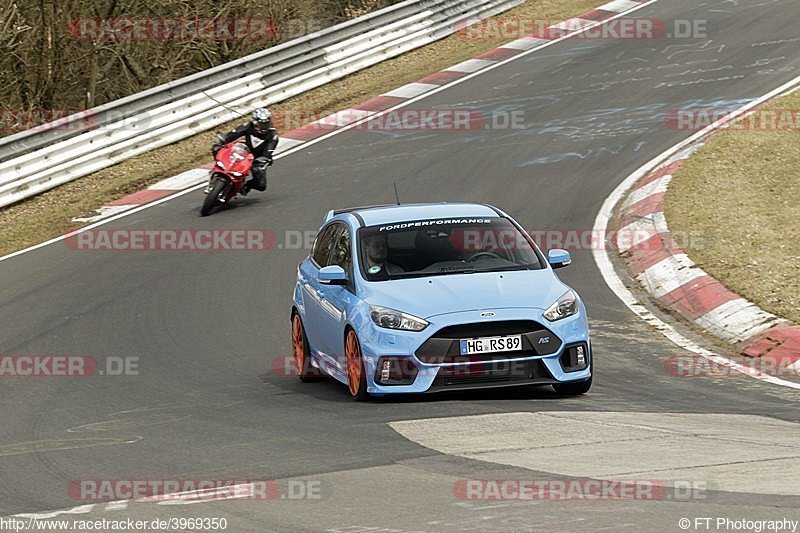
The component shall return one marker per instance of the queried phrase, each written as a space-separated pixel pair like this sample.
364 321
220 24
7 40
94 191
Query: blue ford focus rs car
420 298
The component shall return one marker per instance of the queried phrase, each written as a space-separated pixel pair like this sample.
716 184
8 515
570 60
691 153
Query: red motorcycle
232 168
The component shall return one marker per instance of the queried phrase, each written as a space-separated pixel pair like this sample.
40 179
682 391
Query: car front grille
487 329
443 346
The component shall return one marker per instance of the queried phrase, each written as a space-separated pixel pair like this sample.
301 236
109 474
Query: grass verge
50 214
741 191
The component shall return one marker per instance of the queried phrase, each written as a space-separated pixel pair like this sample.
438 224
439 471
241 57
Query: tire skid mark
52 445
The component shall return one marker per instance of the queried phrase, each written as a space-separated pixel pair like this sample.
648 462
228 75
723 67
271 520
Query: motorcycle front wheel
212 198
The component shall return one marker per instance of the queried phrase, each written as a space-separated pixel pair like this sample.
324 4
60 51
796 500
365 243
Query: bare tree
75 54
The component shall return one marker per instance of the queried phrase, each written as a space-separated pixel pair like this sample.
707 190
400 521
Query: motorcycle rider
262 139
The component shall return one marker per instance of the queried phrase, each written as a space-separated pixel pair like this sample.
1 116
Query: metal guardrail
34 161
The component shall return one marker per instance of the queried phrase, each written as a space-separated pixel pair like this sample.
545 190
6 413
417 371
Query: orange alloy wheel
298 345
354 366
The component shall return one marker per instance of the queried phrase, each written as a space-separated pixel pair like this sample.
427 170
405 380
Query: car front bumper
497 370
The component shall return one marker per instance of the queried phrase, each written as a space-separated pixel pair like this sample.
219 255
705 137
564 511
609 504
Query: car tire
356 373
301 352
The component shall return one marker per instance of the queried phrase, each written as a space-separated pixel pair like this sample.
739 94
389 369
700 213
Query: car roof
390 214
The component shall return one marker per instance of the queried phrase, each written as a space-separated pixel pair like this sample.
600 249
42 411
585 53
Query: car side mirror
332 275
558 258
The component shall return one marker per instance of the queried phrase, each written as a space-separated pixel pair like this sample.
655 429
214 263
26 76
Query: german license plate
510 343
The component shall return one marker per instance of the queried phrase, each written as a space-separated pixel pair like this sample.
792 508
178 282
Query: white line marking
470 65
182 180
525 43
105 211
343 118
573 24
411 90
116 505
287 143
603 260
618 6
80 509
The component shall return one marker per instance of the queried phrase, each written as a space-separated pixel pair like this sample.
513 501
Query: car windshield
444 246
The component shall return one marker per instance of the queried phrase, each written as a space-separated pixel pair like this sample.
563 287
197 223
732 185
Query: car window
323 245
341 251
438 247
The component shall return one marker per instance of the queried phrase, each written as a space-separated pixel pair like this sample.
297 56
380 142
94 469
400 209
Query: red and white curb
157 191
667 273
347 117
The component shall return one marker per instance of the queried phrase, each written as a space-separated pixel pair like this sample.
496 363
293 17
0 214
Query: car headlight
236 173
389 318
565 306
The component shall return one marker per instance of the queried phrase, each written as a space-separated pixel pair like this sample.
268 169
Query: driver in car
377 251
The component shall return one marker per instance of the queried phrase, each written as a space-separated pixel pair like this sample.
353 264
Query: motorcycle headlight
565 306
389 318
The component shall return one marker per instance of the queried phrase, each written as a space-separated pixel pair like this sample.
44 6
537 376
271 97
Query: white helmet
262 119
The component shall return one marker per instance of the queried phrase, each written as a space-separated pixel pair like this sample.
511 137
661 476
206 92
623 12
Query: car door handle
320 293
303 280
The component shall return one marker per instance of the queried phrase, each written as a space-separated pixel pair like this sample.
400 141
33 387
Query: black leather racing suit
261 144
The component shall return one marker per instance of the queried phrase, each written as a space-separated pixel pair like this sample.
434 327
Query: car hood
455 293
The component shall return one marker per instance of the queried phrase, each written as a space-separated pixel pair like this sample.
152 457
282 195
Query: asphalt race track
206 327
